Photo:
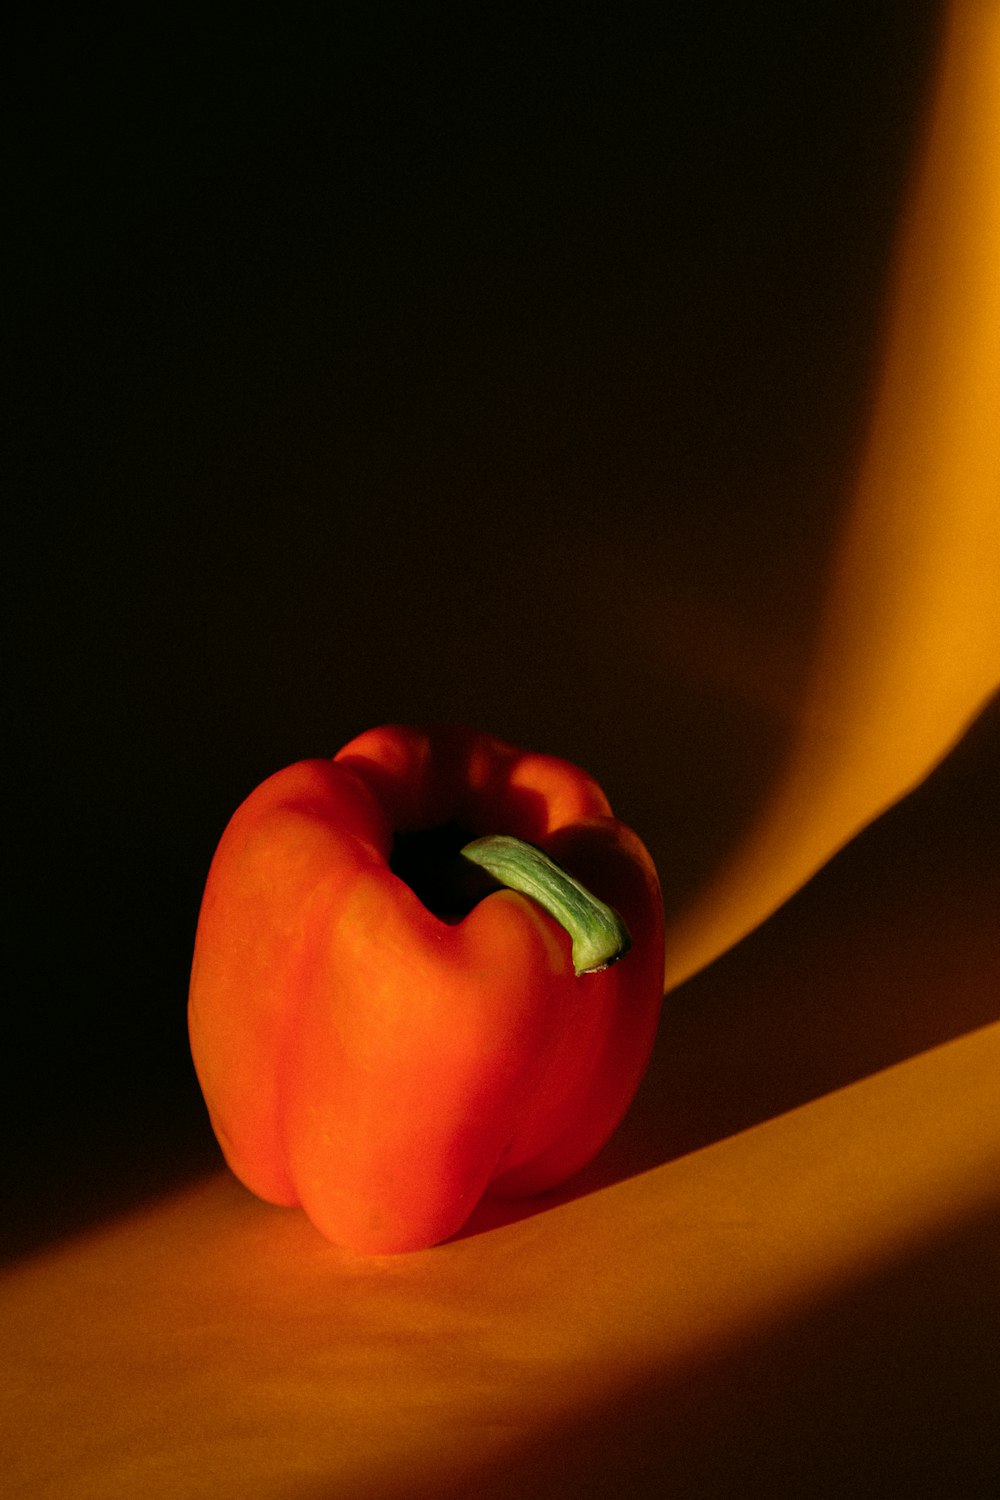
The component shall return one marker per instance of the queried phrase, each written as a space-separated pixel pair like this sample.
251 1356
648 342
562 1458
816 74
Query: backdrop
592 383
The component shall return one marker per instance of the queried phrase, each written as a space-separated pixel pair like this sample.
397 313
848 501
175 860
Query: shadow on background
418 368
891 950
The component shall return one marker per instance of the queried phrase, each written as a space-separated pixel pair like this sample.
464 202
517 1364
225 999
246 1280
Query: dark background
403 362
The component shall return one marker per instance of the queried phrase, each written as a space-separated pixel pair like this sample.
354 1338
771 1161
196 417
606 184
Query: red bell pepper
382 1041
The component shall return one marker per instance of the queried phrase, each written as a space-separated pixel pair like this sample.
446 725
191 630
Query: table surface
779 1279
616 426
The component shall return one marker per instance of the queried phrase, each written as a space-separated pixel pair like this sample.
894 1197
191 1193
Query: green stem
599 935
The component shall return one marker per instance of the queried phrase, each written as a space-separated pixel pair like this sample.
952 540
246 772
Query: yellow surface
781 1279
704 1322
909 647
237 1354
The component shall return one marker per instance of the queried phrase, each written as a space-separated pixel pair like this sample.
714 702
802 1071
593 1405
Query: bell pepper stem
598 934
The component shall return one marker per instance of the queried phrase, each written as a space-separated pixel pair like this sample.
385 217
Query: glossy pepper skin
385 1066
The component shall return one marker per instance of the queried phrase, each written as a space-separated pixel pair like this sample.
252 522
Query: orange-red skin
378 1065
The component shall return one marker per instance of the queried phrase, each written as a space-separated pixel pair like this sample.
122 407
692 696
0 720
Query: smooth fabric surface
908 649
780 1278
794 1294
